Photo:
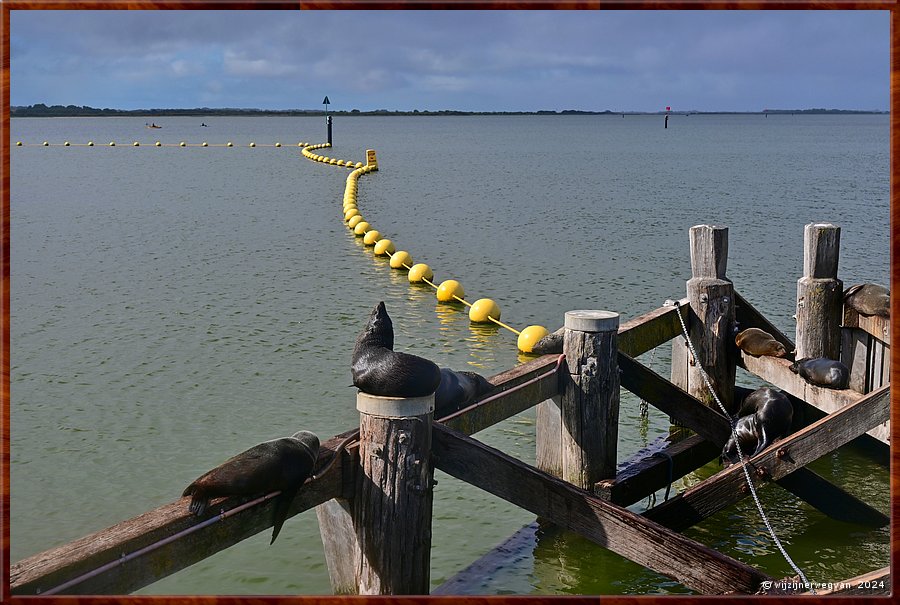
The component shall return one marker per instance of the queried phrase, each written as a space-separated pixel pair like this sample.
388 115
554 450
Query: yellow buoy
350 213
90 143
383 247
420 272
46 144
112 143
371 237
158 144
361 228
277 144
530 337
136 144
229 144
354 221
66 143
18 143
182 144
448 289
340 162
482 309
348 207
252 144
205 144
401 258
359 165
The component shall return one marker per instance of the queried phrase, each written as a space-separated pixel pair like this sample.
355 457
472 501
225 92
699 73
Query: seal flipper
282 504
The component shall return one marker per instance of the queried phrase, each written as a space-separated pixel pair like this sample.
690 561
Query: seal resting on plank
869 299
278 465
822 372
764 416
758 342
379 370
457 390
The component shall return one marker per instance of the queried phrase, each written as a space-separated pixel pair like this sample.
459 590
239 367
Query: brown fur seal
869 299
764 416
457 390
822 372
281 464
551 343
379 370
758 342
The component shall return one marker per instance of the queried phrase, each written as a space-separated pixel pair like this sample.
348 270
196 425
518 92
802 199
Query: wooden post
711 324
392 504
578 430
819 294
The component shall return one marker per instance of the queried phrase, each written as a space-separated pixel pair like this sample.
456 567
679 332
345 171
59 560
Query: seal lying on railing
758 342
379 370
822 372
765 415
869 299
278 465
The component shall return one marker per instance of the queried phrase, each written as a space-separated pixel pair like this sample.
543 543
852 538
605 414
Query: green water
173 306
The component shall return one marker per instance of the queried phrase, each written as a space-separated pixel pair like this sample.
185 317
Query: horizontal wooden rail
747 316
648 331
783 457
879 327
56 566
618 529
777 372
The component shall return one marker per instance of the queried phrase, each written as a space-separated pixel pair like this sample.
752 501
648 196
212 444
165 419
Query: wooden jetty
374 503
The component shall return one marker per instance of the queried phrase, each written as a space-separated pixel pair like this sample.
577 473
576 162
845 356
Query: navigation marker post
326 102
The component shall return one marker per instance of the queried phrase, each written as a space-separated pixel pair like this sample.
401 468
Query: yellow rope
503 325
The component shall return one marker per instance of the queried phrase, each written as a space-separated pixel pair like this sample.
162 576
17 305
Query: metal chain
737 442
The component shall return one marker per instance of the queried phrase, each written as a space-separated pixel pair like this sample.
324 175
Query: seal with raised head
822 372
869 299
379 370
457 390
278 465
758 342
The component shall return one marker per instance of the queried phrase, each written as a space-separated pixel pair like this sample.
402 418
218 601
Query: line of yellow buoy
483 310
156 144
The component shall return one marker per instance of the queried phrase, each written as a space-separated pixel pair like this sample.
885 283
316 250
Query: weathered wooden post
577 431
392 503
711 324
819 294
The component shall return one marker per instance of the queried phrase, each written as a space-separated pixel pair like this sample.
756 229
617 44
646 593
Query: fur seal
822 372
281 464
758 342
764 416
551 343
869 299
457 390
379 370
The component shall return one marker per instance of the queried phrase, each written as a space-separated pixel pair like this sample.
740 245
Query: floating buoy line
155 144
483 310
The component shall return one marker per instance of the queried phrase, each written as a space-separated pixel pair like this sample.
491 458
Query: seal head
758 342
379 370
458 390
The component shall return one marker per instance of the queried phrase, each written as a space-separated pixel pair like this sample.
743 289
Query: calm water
172 307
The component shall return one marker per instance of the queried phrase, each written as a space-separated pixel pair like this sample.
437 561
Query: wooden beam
662 394
777 372
776 461
879 327
51 568
482 415
651 473
874 583
618 529
652 329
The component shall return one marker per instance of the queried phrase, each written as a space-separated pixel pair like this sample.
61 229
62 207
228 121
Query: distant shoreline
72 111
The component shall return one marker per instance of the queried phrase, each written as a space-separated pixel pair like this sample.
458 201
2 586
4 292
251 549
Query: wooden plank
777 372
855 349
610 526
502 405
874 583
56 566
878 327
651 473
776 461
340 543
747 316
652 329
662 394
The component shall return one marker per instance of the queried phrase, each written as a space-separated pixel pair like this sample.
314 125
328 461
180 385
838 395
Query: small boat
152 126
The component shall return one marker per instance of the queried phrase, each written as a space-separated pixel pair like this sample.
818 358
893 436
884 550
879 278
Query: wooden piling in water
393 499
711 326
819 294
577 431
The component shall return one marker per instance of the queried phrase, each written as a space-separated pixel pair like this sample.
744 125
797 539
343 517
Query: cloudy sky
464 60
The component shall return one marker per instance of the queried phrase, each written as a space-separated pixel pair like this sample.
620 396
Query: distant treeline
40 110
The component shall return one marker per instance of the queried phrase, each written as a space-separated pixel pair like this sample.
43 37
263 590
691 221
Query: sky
456 60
